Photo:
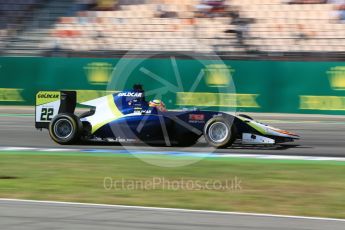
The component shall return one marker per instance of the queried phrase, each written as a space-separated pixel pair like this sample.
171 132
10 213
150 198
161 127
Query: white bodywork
43 111
268 130
106 111
253 139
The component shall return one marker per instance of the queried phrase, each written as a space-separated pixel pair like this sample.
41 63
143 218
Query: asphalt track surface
45 215
320 135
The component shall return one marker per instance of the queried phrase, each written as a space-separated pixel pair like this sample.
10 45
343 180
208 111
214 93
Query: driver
158 104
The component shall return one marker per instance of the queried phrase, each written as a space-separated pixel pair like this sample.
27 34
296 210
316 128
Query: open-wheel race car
126 116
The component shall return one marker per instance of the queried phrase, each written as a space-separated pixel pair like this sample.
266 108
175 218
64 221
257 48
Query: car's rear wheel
65 129
219 132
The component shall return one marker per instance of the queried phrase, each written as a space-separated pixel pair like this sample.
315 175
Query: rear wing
51 103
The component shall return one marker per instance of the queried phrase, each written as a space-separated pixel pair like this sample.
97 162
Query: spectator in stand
339 9
218 7
211 8
242 26
203 9
161 12
82 5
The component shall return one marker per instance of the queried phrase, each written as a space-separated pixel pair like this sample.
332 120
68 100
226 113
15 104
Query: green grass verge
266 186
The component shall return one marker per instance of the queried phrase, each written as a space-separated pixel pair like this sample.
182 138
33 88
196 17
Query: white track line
170 209
196 154
18 149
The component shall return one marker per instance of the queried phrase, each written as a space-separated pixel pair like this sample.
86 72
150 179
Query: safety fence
248 86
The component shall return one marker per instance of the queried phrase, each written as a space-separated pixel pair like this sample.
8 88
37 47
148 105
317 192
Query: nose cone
286 133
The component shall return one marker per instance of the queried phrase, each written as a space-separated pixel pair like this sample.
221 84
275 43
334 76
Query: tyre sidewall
76 125
228 140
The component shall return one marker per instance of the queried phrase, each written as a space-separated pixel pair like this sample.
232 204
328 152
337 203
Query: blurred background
76 45
254 28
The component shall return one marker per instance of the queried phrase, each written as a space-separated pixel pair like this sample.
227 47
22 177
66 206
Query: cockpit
134 100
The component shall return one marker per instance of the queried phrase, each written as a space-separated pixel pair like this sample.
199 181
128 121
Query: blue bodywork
136 120
151 125
128 116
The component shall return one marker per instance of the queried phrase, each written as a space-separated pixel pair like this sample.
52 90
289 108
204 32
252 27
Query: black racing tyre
246 116
65 129
219 132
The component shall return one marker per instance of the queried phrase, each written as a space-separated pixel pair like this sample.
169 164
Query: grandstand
37 27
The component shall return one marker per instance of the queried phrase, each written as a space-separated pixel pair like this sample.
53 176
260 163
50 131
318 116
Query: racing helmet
158 104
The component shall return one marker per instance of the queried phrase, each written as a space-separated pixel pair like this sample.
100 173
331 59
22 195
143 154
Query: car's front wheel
65 129
219 132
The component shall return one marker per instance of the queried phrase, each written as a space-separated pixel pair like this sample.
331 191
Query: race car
127 116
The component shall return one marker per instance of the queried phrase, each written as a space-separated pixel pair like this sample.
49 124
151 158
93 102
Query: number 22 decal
46 114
